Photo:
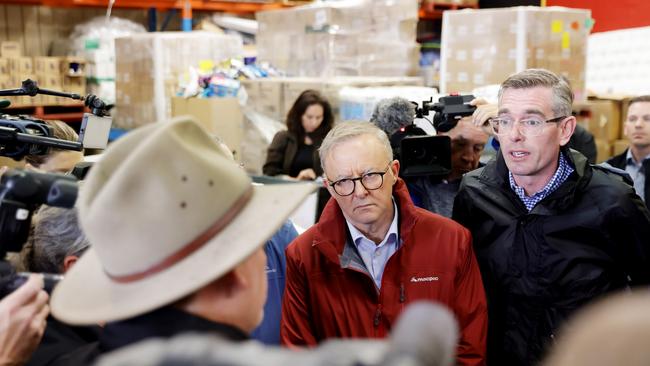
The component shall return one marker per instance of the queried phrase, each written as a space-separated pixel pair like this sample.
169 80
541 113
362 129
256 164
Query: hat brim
87 295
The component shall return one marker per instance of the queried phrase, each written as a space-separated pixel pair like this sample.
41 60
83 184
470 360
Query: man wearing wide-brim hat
177 232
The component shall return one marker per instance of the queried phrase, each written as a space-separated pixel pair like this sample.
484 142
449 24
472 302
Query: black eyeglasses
369 181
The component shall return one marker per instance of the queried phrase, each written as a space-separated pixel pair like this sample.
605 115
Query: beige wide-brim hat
166 212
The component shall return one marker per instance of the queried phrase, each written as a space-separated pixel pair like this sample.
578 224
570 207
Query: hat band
191 247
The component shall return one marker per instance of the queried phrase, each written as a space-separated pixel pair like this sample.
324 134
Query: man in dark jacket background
550 232
636 159
373 252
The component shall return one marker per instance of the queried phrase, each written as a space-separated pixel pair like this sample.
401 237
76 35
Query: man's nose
515 132
359 189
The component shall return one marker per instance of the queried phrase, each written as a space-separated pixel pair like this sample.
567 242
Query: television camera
23 191
423 155
25 135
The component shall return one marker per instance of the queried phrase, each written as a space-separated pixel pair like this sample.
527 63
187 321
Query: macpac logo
424 279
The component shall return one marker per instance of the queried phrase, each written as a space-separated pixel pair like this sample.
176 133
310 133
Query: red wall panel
613 14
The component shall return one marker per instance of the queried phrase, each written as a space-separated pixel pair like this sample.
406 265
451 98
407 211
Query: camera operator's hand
484 111
22 322
306 174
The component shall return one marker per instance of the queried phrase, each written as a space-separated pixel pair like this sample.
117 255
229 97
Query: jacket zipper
377 317
402 294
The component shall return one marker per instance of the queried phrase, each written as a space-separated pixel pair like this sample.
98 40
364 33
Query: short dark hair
639 99
294 118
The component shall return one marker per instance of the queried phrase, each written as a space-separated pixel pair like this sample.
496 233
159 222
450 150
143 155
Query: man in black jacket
636 159
550 231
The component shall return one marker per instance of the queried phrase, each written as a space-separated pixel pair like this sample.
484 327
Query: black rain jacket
587 238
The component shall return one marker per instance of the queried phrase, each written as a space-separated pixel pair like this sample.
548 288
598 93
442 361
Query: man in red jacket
373 252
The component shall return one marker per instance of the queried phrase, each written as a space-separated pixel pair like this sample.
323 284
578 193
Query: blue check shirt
564 170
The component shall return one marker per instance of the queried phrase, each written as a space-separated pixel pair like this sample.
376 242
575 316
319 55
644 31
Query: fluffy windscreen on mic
425 334
392 114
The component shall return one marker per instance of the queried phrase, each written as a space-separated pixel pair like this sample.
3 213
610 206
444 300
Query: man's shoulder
607 188
303 243
618 161
477 178
429 222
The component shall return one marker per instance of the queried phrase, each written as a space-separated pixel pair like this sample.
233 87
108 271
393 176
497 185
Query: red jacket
329 293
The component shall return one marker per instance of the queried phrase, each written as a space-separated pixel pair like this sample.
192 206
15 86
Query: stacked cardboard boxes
148 67
273 97
220 116
47 72
619 62
16 69
604 117
348 38
483 47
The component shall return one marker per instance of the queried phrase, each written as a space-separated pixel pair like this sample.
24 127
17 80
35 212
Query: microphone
425 334
392 114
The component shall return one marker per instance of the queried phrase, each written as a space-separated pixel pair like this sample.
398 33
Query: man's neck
639 152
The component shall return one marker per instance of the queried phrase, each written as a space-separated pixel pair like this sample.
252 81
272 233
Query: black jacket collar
495 173
165 322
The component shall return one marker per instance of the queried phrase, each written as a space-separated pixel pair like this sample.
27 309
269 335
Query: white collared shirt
375 256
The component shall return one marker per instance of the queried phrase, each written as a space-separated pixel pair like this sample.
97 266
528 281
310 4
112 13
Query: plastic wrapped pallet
619 62
348 38
359 103
148 67
482 47
274 97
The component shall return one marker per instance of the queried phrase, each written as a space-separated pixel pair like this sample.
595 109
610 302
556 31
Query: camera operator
55 244
57 160
435 194
22 322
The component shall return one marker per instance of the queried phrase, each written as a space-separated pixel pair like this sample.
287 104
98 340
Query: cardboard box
601 117
341 38
73 66
604 150
21 67
11 49
484 47
47 65
221 117
274 97
433 3
148 66
4 67
619 61
619 147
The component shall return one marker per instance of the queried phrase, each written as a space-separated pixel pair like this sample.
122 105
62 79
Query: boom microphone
393 114
425 335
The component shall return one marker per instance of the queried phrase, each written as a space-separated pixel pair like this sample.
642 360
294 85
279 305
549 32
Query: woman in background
294 153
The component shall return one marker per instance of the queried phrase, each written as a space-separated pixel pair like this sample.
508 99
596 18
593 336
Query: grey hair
55 234
531 78
345 131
